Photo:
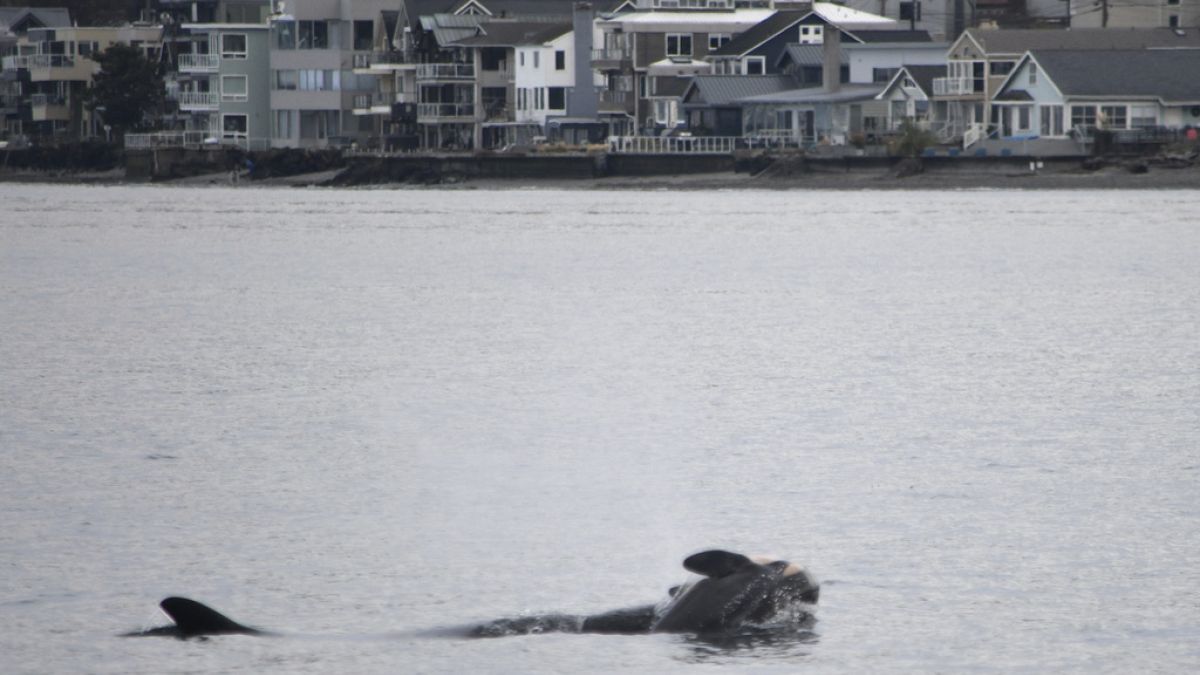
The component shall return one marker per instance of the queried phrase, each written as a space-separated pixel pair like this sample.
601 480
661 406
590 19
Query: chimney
831 59
582 100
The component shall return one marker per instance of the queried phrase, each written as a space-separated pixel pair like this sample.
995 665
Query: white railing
46 99
433 110
198 100
446 71
193 139
199 63
165 139
673 145
611 54
975 132
38 61
953 86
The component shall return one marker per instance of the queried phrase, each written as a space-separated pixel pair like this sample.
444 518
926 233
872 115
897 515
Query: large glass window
1143 116
1052 120
364 35
233 88
679 44
285 79
285 34
234 125
556 98
314 35
1083 116
233 46
1113 117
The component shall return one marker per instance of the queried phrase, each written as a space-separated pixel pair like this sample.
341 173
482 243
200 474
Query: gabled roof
806 55
761 32
17 18
922 76
1167 75
845 94
849 20
514 33
1018 41
527 8
722 90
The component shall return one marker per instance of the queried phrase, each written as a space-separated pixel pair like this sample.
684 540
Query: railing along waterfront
193 140
675 145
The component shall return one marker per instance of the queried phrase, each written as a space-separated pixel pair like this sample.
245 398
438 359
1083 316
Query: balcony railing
199 63
446 71
199 100
29 61
674 145
953 86
46 99
433 111
611 54
381 60
615 100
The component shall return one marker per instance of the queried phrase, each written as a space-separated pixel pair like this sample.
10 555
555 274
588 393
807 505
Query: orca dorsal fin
194 618
716 563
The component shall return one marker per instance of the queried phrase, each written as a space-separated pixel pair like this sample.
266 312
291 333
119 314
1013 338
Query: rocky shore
1179 170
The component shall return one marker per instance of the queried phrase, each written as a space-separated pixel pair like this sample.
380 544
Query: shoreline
1112 177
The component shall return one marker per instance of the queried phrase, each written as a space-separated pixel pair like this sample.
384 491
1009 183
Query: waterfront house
980 60
54 67
15 23
712 102
907 96
1065 96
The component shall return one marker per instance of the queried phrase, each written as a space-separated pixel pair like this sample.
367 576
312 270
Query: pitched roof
1169 75
846 93
924 76
1017 41
505 33
874 35
761 32
39 17
720 90
807 55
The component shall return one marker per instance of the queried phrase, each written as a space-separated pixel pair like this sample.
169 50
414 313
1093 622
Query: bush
912 141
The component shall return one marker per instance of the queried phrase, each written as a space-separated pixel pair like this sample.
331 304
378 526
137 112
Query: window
282 127
537 59
1033 74
522 58
364 35
1143 116
560 59
1023 118
556 98
284 79
883 75
285 34
233 46
756 65
234 125
314 35
812 35
1083 116
1052 120
999 68
1173 21
679 44
716 40
320 80
910 11
1113 117
233 88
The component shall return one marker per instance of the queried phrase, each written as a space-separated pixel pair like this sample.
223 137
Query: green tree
128 88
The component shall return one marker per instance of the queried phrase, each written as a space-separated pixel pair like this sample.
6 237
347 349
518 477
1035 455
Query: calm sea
361 418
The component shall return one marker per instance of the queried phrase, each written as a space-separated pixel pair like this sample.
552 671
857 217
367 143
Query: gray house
222 84
711 101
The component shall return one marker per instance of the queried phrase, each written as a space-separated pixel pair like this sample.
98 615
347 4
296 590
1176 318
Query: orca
194 619
737 594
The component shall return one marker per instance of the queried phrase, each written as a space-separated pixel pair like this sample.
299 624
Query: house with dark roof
1058 94
712 104
908 95
980 60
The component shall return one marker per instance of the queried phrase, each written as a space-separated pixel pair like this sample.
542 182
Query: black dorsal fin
716 563
194 618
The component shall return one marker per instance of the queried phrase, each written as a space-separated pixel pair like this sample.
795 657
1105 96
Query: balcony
954 86
375 104
609 101
445 71
445 112
380 63
615 58
199 63
199 100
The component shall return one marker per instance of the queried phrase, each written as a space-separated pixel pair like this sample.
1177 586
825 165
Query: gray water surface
366 418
